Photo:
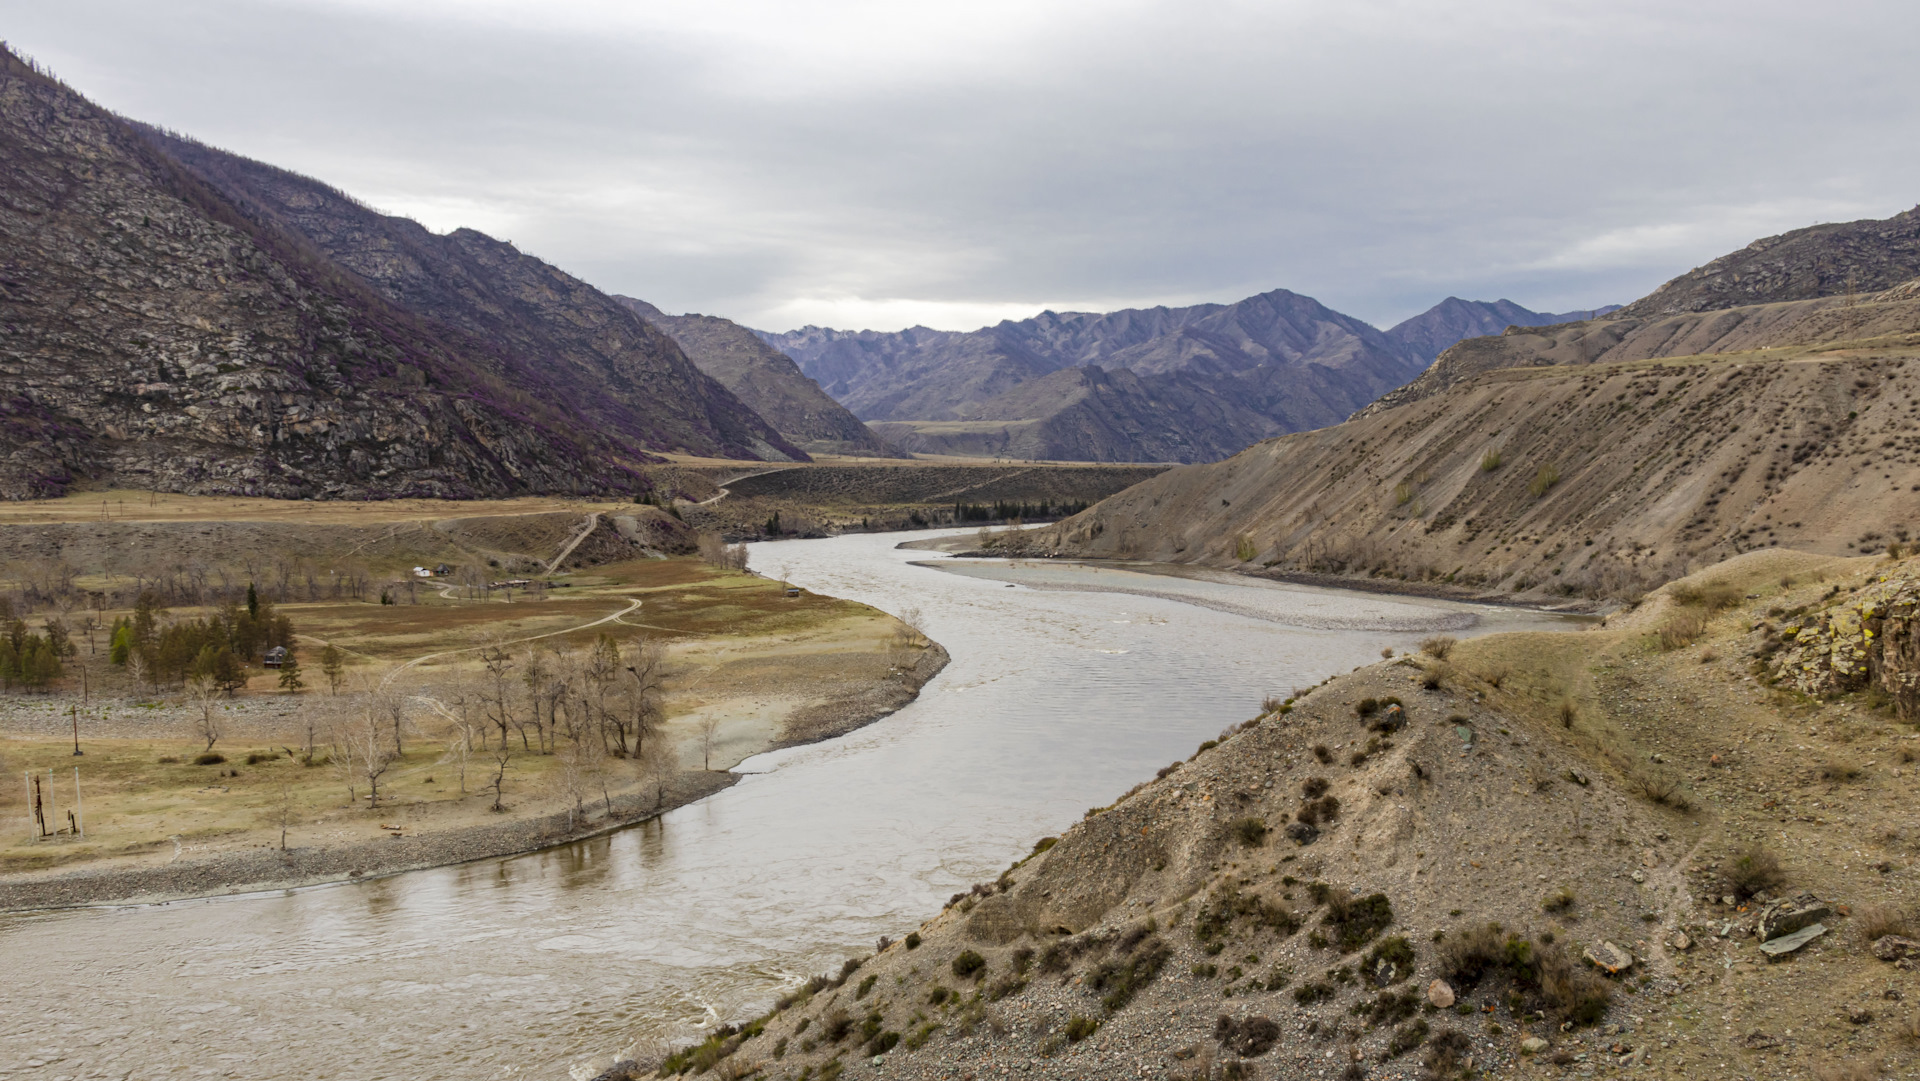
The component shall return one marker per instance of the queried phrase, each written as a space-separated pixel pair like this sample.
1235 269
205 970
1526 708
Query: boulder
1785 917
1680 941
1895 948
1532 1045
1786 944
1609 957
1440 993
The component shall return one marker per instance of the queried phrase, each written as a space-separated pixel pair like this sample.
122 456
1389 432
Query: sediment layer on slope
1591 481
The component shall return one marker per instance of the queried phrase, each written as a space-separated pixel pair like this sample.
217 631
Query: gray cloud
877 164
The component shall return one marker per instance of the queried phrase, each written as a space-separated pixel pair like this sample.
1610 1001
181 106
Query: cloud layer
864 164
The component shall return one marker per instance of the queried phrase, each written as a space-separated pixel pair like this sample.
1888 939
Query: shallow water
1068 685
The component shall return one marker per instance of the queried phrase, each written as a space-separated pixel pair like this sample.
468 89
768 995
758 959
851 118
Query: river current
1068 684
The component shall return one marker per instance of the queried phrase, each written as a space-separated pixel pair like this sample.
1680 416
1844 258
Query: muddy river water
1068 684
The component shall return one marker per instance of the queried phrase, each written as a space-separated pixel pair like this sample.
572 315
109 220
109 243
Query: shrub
836 1025
1435 675
1558 901
209 759
1751 870
1876 921
1248 1037
1573 992
1121 980
1402 494
1314 787
1356 920
1467 957
913 940
1405 1039
1660 787
1568 713
254 758
1438 647
1490 461
1243 549
937 995
969 965
1080 1027
1251 832
866 985
1022 960
1713 596
1547 477
1390 960
1307 994
1447 1054
882 1043
1367 707
1680 630
1839 771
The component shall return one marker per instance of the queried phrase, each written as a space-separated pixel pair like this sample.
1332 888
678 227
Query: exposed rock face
1820 261
552 333
152 335
1869 639
768 381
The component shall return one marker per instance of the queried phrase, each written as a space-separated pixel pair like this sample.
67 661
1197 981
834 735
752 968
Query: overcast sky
882 164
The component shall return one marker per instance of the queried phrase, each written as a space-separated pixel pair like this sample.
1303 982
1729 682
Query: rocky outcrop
1835 259
1871 639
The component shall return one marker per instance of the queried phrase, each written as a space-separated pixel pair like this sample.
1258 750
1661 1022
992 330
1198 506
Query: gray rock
1609 957
1786 944
1533 1045
1786 917
1895 948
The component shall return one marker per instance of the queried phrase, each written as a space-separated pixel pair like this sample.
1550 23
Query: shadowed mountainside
1429 334
598 358
768 381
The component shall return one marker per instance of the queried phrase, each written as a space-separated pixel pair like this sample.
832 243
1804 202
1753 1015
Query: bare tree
648 666
333 665
709 726
657 766
502 757
204 695
285 810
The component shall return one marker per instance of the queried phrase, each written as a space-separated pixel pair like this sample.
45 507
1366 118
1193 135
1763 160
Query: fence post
79 808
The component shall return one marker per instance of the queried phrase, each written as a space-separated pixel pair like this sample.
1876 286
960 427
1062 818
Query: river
1067 686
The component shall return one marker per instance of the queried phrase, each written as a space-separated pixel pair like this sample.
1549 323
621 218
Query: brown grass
1439 646
1751 870
1874 921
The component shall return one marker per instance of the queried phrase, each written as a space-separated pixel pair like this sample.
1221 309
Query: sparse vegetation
1439 647
1490 461
1752 870
1547 476
969 965
1251 832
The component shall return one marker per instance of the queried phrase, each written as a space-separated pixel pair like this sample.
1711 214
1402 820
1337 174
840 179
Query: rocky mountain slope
1200 382
1835 259
1534 854
590 353
1428 334
155 336
767 380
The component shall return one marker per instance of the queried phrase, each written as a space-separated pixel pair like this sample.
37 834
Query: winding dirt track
632 606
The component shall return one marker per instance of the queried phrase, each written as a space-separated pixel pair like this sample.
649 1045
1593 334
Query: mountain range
1182 384
179 318
1747 404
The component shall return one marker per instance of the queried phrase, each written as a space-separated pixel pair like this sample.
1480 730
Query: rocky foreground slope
1631 850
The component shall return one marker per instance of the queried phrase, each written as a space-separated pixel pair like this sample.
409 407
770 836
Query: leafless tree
647 663
709 727
204 695
285 810
657 766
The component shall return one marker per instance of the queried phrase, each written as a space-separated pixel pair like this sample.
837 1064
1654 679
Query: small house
422 572
441 570
275 657
793 591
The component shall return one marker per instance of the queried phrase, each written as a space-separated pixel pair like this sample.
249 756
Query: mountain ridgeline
1157 384
1593 458
182 319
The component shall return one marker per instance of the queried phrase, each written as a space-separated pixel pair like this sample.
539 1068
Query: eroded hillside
1592 481
1610 849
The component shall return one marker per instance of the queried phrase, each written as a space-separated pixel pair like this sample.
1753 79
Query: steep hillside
1428 334
156 337
767 380
1531 854
1872 321
1592 480
1279 356
1835 259
589 354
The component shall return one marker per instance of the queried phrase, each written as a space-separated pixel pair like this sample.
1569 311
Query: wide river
1068 685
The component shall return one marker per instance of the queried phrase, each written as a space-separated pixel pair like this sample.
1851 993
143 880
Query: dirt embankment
1595 482
1540 852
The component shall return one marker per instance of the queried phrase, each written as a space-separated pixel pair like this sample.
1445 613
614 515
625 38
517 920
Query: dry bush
1468 956
1573 992
1876 920
1568 713
1713 596
1708 656
1436 675
1661 787
1448 1052
1839 771
1438 646
1681 630
1495 676
1751 870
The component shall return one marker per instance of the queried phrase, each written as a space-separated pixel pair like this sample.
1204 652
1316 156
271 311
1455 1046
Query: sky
883 164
